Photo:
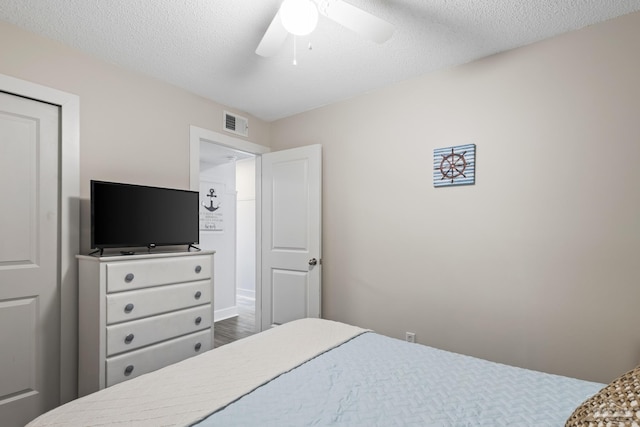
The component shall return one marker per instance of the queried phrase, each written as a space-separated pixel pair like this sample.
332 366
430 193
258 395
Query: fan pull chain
295 61
295 49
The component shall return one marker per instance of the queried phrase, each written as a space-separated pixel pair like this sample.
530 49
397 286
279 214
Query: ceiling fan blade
355 19
273 38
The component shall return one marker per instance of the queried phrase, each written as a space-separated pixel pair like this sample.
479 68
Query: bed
314 372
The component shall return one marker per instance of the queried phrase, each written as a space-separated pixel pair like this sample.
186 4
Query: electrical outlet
410 336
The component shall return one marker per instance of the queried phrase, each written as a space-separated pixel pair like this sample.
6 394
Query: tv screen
126 215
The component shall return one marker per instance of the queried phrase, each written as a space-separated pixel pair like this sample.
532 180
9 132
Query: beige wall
537 264
132 128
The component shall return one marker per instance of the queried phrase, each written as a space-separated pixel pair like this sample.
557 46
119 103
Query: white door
291 235
29 289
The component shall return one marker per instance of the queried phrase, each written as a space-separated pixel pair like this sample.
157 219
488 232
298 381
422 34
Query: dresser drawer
135 363
127 275
139 333
124 306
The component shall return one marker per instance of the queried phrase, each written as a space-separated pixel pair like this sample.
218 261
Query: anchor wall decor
211 206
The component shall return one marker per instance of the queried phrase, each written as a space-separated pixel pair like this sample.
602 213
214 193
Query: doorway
228 168
288 212
227 225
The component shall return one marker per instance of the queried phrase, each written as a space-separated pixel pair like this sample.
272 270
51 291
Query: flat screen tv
127 215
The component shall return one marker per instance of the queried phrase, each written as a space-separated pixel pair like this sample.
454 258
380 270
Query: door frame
198 135
69 223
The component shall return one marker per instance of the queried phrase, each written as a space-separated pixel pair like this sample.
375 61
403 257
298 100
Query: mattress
314 372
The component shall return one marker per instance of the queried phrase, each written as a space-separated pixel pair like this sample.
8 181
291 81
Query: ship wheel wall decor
454 165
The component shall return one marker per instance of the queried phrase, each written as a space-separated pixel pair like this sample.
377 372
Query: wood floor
234 328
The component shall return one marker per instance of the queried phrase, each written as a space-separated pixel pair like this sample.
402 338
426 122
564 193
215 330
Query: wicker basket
616 405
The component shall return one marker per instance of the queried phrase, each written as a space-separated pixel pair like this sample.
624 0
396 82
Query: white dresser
138 313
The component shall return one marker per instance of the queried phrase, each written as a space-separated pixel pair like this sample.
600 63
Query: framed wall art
454 165
211 206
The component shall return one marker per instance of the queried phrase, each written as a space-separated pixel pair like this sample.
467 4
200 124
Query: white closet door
29 288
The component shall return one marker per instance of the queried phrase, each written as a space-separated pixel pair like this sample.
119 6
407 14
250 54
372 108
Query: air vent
235 124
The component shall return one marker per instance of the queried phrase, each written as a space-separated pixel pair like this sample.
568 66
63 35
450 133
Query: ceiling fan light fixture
299 17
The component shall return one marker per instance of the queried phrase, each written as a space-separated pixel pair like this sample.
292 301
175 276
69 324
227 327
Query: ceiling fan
300 17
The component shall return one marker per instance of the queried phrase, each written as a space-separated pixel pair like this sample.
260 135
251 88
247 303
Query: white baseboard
247 293
225 313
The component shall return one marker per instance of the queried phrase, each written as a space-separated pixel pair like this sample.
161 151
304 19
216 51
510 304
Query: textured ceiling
207 46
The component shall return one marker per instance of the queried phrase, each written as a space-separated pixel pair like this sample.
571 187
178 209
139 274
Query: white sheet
188 391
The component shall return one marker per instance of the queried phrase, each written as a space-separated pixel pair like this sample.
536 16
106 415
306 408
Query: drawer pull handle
198 269
198 320
128 339
128 370
128 308
198 295
129 278
198 346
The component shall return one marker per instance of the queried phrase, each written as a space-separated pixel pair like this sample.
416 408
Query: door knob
313 261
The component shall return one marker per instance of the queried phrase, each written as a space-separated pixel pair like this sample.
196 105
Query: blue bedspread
374 380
